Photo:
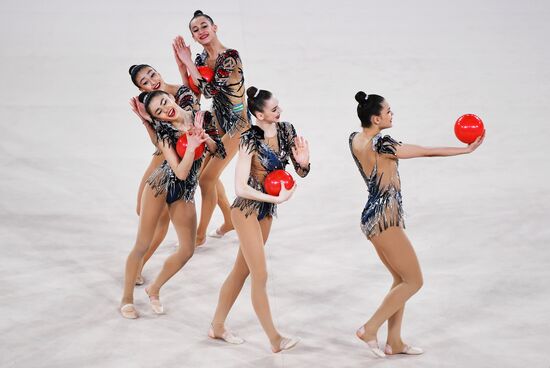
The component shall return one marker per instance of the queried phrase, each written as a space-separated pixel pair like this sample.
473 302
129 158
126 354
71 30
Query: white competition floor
72 154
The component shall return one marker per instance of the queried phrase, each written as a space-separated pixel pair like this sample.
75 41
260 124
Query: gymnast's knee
396 281
185 254
139 250
207 182
416 283
239 274
259 278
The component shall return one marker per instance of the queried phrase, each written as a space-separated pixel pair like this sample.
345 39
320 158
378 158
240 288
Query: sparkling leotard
268 154
384 206
227 91
163 179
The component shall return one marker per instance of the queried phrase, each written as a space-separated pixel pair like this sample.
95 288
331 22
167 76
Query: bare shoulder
357 141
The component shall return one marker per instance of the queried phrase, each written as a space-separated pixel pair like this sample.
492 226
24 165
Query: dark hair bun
131 68
199 13
257 99
361 97
251 91
142 96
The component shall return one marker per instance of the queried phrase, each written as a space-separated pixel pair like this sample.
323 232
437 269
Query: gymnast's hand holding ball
475 144
285 194
196 137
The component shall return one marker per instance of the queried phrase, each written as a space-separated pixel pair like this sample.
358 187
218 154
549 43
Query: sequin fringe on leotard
384 207
266 159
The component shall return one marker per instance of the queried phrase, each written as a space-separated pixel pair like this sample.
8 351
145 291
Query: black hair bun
361 97
251 91
197 13
142 96
131 68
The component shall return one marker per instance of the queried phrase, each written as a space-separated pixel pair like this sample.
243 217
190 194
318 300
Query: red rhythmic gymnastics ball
206 72
468 127
273 180
181 147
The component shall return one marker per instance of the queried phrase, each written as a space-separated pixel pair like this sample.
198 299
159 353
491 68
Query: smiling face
149 80
385 119
203 30
163 107
271 112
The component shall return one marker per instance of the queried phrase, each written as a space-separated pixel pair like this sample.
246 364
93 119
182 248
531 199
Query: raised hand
176 56
182 51
140 111
300 150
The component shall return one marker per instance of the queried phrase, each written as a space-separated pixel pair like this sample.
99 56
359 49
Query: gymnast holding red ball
266 147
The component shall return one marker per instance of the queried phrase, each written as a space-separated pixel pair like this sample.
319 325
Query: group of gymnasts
166 193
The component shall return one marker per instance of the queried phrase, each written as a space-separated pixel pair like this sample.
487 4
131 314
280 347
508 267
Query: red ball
273 180
206 72
181 147
468 127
